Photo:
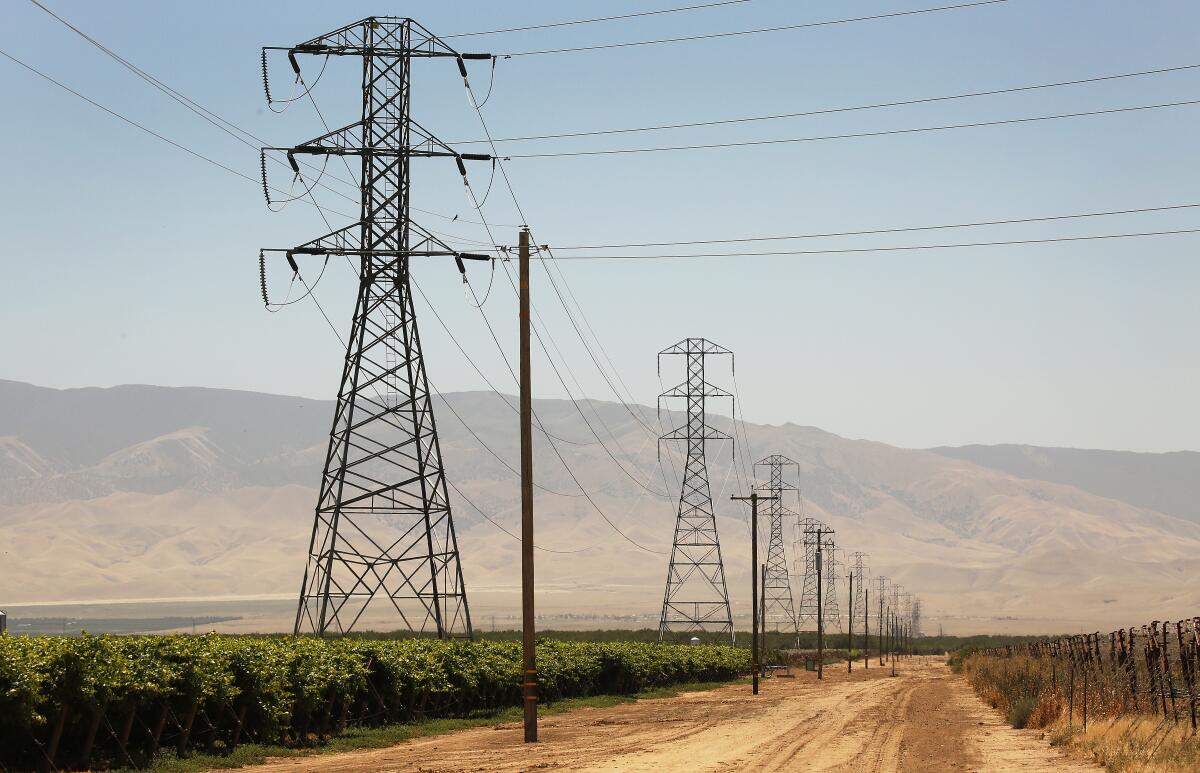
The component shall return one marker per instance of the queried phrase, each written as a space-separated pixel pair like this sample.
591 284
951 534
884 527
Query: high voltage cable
828 111
855 135
203 112
596 19
710 36
127 120
907 229
881 249
516 203
554 446
482 375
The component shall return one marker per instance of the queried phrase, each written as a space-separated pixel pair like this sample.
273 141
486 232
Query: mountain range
142 492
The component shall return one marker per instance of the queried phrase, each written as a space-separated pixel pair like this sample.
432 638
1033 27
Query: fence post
1151 674
1085 692
1188 666
1071 692
90 739
1170 682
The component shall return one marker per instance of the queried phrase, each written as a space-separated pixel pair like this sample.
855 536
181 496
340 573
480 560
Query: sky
127 260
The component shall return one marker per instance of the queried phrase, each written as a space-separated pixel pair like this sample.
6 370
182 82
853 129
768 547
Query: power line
596 19
856 135
126 119
908 229
554 446
220 122
476 368
782 28
497 524
828 111
881 249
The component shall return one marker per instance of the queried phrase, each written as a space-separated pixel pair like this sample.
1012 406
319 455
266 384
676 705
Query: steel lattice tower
829 591
858 603
808 590
777 587
383 531
695 598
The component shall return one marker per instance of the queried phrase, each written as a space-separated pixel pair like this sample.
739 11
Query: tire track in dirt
925 719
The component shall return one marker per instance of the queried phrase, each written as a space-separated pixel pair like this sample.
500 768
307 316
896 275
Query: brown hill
169 493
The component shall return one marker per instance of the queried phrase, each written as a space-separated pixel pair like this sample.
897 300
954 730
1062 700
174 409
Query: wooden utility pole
756 664
850 628
880 623
820 614
866 625
892 638
528 640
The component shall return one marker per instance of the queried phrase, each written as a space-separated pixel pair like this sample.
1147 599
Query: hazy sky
127 260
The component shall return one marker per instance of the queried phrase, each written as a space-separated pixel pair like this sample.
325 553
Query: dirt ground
926 719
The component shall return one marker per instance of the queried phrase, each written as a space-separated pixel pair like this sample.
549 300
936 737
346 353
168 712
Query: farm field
925 719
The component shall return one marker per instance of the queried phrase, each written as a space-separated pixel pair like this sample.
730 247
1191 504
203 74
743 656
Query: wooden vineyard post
1168 682
56 738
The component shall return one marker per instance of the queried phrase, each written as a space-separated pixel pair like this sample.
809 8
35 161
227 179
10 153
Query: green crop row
96 701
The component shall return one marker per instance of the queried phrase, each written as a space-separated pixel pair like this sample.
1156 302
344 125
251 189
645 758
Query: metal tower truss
858 604
778 608
695 598
832 614
383 533
806 544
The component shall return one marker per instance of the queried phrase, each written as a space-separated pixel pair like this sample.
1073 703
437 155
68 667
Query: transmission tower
807 568
858 604
808 530
695 598
916 618
383 532
832 615
777 587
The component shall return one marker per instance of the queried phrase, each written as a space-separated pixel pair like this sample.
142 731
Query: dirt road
925 719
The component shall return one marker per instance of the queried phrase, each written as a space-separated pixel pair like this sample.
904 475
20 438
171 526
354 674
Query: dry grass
1134 744
1021 688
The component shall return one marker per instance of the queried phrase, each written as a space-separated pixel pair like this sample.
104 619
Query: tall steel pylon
777 586
695 598
858 604
383 532
807 568
832 614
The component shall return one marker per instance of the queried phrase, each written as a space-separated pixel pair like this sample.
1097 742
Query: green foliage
1020 710
293 691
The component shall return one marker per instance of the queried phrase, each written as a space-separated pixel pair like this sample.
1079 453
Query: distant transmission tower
858 604
810 530
777 587
383 532
806 567
832 615
695 598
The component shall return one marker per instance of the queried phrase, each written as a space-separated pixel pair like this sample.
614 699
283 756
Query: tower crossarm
378 36
707 432
351 141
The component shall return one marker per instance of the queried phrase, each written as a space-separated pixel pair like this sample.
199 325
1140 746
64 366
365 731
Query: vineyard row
105 701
